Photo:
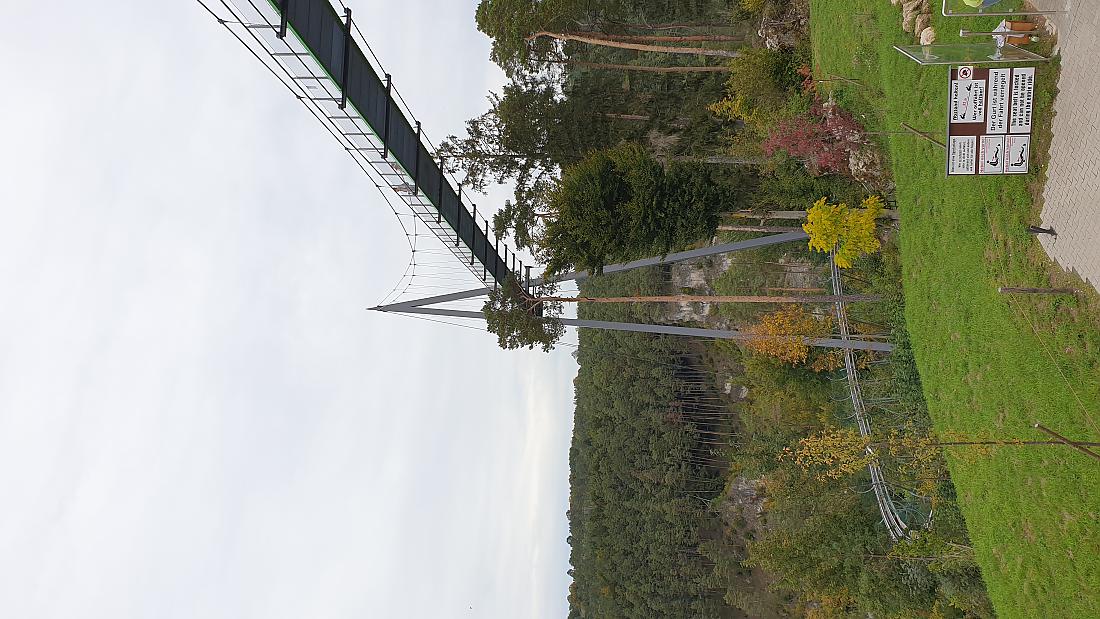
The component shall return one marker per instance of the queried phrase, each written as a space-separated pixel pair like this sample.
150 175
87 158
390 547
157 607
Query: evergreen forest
713 478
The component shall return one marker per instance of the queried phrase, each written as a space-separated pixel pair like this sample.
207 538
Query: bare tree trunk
653 38
713 159
759 228
686 25
702 298
888 213
641 68
670 26
585 38
721 160
638 117
492 155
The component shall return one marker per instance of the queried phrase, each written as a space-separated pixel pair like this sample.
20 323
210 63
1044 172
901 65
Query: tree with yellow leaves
834 453
851 232
785 334
838 453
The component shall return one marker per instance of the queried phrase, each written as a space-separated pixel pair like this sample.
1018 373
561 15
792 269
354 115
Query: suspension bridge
317 51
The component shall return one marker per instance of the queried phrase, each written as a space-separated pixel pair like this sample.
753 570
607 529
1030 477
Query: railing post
284 10
439 202
347 59
386 117
416 164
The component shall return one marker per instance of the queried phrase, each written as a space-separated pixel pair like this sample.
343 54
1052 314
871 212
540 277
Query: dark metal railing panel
430 176
477 240
402 137
450 207
368 91
299 13
323 51
318 15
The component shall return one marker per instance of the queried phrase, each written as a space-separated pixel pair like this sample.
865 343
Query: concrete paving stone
1072 194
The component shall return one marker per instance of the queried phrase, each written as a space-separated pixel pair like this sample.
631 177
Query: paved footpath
1071 198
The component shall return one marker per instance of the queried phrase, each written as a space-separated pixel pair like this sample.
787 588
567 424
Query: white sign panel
997 119
1023 97
967 101
991 154
1017 154
990 116
960 154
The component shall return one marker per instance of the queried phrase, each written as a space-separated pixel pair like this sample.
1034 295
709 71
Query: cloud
197 416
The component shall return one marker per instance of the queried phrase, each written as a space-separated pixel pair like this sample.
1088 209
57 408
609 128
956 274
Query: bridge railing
321 56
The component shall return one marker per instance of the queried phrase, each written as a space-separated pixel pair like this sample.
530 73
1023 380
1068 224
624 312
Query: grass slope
991 365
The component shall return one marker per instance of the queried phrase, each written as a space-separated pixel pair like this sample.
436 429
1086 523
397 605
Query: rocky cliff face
697 277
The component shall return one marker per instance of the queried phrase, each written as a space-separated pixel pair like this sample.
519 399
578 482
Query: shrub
760 86
754 7
831 454
848 231
785 183
807 140
823 139
783 334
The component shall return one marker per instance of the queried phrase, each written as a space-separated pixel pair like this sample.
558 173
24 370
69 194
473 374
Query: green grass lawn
991 365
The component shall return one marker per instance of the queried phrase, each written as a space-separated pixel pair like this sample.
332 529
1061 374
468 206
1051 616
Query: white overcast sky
197 416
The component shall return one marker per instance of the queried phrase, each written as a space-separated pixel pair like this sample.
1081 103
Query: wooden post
845 79
1040 230
924 135
1074 444
1019 290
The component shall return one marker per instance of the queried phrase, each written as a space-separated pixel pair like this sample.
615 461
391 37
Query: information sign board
989 113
